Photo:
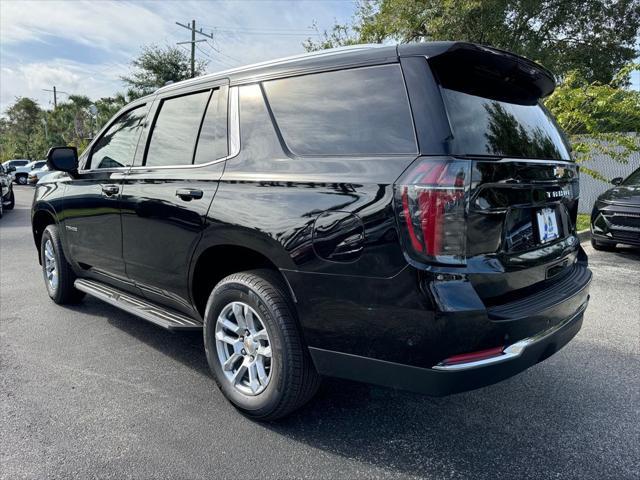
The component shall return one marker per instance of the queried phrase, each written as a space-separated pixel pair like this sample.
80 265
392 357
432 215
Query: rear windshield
482 126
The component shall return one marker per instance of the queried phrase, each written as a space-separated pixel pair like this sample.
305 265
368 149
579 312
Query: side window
117 146
348 112
175 131
212 143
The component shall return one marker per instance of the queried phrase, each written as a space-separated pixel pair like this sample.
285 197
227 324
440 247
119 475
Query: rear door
166 198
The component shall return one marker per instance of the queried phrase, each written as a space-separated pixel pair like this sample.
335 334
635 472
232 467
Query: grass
583 221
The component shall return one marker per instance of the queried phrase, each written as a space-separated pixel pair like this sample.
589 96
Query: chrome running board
169 319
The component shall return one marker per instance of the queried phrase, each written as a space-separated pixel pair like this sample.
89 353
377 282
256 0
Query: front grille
623 220
626 237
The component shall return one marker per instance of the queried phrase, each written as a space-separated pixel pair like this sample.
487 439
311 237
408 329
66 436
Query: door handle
110 189
189 194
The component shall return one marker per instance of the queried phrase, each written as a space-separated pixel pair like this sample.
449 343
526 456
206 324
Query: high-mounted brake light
431 203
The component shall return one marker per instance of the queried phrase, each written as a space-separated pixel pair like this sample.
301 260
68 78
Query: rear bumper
445 380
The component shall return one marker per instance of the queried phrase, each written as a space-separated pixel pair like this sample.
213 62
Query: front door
165 200
91 217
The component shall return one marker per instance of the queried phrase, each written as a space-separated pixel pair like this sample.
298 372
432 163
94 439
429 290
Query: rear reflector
473 356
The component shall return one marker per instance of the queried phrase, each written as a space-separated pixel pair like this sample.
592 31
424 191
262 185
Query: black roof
361 55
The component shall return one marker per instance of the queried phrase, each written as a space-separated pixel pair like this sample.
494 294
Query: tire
292 378
601 246
62 290
21 179
12 201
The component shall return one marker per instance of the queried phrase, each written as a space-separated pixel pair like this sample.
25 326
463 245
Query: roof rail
277 61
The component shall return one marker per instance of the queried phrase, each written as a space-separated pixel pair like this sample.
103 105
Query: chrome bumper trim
512 351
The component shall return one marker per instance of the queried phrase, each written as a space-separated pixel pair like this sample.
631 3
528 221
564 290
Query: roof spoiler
484 71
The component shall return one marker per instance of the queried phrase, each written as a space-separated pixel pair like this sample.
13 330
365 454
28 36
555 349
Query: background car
616 214
7 199
11 165
21 173
37 174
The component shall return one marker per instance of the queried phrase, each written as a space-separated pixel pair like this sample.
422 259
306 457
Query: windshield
633 179
482 126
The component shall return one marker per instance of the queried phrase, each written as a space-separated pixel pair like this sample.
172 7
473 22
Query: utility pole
55 95
193 48
193 42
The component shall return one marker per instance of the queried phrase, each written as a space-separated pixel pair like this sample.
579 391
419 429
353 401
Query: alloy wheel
244 348
50 266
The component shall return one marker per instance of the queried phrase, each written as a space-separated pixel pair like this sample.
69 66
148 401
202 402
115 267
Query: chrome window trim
233 136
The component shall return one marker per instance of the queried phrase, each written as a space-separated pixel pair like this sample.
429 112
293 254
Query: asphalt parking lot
90 391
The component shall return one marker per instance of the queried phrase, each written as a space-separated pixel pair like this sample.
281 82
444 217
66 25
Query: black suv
615 217
403 216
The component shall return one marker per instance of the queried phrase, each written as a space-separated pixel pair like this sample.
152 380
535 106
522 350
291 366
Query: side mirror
617 181
64 159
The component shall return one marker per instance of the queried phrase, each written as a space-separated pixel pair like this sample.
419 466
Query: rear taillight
431 204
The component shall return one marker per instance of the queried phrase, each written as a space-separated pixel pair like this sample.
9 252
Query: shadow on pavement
544 420
549 419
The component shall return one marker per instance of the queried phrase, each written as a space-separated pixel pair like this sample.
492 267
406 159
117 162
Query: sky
84 47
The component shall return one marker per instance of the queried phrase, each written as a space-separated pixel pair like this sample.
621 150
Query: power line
218 51
277 34
300 31
217 60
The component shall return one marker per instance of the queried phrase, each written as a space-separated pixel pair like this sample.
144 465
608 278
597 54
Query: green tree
106 108
594 37
598 117
71 122
21 129
156 66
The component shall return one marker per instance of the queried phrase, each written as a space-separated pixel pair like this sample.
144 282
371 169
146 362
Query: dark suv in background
615 217
397 215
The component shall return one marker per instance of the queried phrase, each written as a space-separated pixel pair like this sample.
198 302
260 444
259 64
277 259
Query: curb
584 235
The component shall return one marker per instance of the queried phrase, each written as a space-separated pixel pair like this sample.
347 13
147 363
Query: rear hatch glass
485 126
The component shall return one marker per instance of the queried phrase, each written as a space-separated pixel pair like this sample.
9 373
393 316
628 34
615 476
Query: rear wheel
58 275
21 179
254 346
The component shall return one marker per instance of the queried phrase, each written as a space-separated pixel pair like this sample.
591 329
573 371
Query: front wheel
58 275
254 346
21 179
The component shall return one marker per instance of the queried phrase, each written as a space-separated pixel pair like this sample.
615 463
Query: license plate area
529 228
547 223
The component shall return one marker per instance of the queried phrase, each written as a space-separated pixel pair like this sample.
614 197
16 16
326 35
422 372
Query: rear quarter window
363 111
